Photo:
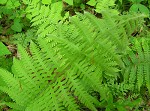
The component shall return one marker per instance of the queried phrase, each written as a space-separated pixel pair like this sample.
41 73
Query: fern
55 73
45 17
101 5
105 5
138 64
107 27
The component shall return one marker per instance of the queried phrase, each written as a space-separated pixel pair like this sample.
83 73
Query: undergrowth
77 56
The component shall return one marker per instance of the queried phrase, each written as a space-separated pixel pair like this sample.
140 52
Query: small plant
12 17
138 7
101 5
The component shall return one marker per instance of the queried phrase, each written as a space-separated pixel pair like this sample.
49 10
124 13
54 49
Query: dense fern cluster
83 63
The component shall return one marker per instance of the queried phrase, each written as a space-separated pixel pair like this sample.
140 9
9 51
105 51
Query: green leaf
82 6
134 8
139 7
12 4
70 2
3 49
17 26
120 1
17 4
7 11
9 4
143 9
91 3
3 1
46 1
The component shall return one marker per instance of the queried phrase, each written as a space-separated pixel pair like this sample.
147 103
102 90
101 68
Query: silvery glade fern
75 65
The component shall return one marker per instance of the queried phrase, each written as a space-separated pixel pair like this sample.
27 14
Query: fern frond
106 5
126 25
146 71
44 17
139 63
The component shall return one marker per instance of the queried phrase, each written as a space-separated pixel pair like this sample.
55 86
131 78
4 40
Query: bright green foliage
75 3
3 49
46 1
70 2
138 63
76 63
91 2
12 4
3 1
62 70
44 17
6 64
102 5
